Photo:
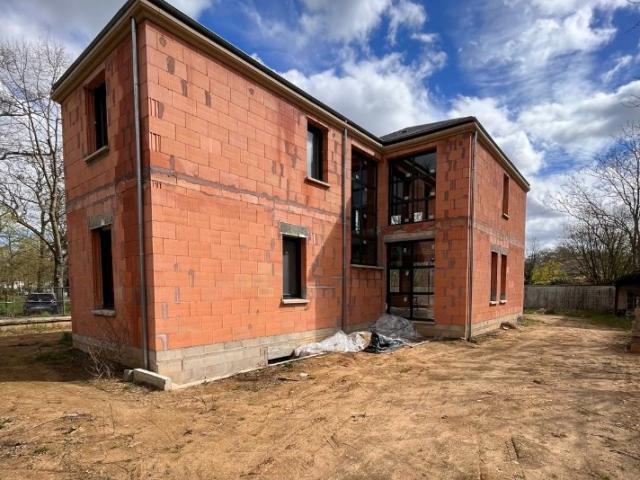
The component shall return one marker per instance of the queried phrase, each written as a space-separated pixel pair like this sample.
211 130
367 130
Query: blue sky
551 80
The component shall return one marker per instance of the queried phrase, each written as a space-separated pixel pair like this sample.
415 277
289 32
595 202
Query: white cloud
540 49
620 64
381 94
193 8
582 126
342 21
72 22
426 38
563 7
503 128
405 13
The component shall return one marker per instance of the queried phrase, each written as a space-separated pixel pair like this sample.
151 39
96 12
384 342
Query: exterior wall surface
449 228
228 169
102 191
493 232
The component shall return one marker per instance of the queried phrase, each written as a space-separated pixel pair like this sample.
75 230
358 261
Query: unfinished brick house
268 219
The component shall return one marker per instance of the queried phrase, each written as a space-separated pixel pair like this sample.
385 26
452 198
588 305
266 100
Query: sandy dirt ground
555 399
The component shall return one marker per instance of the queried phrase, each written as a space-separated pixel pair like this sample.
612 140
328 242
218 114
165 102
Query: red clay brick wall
228 164
492 230
104 187
366 286
449 225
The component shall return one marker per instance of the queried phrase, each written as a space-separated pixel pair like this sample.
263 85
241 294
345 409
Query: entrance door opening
410 268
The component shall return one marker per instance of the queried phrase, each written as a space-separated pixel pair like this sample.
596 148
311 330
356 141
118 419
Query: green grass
601 319
66 340
55 357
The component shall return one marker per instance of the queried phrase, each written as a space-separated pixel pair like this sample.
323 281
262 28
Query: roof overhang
192 32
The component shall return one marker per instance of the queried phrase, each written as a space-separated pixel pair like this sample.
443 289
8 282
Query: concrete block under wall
209 362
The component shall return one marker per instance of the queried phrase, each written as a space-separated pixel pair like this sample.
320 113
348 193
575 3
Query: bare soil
556 399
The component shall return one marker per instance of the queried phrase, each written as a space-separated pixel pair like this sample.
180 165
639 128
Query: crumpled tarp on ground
387 334
390 333
381 343
338 342
396 327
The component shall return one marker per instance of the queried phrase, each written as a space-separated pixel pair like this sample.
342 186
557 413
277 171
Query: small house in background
627 293
219 216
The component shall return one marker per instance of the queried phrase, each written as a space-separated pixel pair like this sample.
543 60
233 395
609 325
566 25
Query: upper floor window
412 188
98 115
315 157
363 210
505 196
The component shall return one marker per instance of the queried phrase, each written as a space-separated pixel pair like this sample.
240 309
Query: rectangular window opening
292 267
103 261
364 239
494 277
315 154
412 188
505 196
503 277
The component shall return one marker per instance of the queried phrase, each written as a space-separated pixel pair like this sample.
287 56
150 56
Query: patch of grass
41 450
4 422
55 357
66 339
601 319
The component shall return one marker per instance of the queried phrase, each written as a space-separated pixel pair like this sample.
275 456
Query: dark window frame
503 277
98 126
316 164
104 285
410 268
505 195
297 290
407 206
493 284
364 180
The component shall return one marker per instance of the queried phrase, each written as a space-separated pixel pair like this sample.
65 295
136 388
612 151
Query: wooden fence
579 297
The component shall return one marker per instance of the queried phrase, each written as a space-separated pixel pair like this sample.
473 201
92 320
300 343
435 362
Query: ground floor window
410 279
103 268
493 295
503 277
291 267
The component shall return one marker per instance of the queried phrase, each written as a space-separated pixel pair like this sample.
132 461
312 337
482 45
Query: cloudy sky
551 80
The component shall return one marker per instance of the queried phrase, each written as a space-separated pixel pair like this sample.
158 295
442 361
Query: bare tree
604 203
532 259
31 169
600 251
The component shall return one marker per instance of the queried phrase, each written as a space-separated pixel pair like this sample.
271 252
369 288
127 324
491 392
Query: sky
551 80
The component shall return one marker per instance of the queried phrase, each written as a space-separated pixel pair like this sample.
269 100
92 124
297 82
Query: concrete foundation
219 360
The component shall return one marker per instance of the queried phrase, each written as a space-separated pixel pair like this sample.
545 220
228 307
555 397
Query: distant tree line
33 244
602 237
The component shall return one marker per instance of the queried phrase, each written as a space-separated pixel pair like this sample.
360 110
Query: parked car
40 302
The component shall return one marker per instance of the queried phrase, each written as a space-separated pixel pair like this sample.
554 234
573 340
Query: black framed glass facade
363 210
412 188
410 275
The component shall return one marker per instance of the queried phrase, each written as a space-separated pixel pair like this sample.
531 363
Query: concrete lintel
155 380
